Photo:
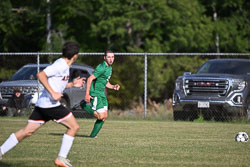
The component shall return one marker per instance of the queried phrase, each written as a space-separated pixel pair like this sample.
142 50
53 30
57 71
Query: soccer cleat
94 137
62 162
1 155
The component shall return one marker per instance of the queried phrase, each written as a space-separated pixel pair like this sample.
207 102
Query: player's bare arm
78 82
89 82
110 86
44 80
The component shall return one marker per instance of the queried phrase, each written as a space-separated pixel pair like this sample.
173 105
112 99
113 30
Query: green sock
87 108
97 127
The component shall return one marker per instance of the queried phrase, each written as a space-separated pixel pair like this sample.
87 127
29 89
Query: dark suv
25 79
219 90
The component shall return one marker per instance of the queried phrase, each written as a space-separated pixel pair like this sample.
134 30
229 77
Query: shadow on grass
61 134
2 164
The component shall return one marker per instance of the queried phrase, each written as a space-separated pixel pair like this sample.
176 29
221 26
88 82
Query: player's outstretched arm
115 87
77 82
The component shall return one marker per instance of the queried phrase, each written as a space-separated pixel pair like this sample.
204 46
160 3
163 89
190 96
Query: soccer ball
241 137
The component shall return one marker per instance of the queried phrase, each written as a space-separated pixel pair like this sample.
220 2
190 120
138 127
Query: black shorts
42 115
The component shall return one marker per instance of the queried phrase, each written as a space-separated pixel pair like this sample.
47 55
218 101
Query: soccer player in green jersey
95 92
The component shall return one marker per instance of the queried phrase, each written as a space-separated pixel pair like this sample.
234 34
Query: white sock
9 143
67 142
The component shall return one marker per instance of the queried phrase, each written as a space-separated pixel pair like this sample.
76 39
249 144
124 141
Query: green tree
22 25
130 26
232 24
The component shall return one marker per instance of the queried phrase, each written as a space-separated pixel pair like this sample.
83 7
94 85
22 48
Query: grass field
132 143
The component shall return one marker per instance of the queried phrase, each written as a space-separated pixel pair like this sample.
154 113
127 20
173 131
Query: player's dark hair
70 49
108 51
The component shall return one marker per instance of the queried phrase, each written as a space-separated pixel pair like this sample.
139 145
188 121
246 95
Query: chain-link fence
152 74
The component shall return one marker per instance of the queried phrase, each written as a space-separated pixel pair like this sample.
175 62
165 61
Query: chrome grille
206 87
7 91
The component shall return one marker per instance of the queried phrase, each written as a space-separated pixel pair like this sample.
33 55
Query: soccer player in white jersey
54 79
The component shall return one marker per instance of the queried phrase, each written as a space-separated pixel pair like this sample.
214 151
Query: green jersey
102 74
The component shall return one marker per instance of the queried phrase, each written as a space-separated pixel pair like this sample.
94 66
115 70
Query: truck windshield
225 67
26 73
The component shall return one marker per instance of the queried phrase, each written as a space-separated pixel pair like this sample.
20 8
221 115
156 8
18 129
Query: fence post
145 84
38 70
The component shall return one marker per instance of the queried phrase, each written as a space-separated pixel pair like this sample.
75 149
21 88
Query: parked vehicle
25 79
219 90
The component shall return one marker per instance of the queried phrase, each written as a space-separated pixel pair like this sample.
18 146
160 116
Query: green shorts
99 103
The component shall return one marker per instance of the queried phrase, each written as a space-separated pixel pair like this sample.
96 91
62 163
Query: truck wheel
180 115
193 115
207 115
177 115
247 110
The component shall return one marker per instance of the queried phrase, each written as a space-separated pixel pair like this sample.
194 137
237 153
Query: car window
26 73
74 73
225 67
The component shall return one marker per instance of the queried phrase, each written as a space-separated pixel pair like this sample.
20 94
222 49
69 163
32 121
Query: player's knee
101 117
76 128
96 115
28 133
105 117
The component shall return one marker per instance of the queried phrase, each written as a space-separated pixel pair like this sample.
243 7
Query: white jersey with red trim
58 76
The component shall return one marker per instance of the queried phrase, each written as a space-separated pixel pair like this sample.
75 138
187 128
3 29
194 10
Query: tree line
128 26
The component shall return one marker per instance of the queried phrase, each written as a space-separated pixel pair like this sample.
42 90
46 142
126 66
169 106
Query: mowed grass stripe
132 143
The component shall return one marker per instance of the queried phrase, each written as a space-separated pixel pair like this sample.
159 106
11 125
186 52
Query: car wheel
65 103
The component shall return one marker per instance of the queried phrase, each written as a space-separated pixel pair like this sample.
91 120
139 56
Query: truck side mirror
187 73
